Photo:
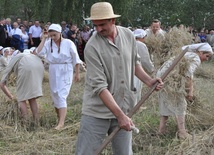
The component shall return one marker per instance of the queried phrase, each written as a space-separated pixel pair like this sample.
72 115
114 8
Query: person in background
30 23
72 34
65 29
85 35
112 60
62 57
42 24
19 21
210 38
29 72
8 28
16 37
25 37
145 60
25 23
202 35
155 29
4 60
172 102
2 33
16 30
34 34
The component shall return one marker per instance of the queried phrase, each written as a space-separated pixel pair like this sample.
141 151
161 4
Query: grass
17 140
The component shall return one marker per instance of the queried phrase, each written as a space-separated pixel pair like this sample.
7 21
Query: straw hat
102 10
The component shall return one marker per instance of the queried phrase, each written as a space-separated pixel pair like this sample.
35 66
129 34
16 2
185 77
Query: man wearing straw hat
111 58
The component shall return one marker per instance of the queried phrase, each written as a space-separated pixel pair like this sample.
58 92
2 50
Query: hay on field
162 49
10 112
16 139
46 76
200 144
206 74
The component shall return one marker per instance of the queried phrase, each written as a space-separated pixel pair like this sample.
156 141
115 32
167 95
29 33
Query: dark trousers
36 42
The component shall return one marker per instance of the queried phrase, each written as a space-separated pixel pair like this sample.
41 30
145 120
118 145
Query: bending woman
172 102
29 71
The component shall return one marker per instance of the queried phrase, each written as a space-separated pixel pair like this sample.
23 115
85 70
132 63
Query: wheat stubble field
18 140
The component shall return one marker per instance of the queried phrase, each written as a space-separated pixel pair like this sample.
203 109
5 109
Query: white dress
60 69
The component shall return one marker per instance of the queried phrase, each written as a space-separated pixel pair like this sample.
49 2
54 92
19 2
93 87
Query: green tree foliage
134 12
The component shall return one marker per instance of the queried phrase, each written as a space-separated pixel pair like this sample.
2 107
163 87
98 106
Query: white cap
5 49
1 48
26 51
139 33
32 49
203 47
55 27
15 53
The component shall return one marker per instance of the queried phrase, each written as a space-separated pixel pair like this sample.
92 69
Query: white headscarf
5 49
55 27
139 33
15 53
205 47
27 51
32 49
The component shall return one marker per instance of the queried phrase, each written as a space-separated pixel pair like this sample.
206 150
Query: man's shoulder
124 29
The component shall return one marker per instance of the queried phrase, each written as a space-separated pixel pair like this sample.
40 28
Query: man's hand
160 83
125 122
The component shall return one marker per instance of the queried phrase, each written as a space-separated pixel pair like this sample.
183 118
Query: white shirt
160 32
145 57
35 31
9 28
15 31
25 37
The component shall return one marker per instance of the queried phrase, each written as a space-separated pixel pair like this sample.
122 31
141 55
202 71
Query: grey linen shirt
110 66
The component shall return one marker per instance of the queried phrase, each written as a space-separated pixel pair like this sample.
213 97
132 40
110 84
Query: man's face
63 24
19 20
30 23
8 22
15 25
104 27
212 32
73 27
36 23
3 21
155 27
25 22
